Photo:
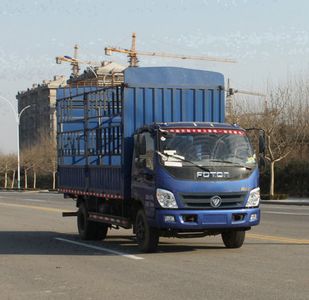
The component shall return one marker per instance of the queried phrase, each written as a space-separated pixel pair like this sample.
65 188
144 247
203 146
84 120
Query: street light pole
17 119
18 155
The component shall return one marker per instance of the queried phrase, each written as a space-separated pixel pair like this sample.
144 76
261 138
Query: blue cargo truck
154 154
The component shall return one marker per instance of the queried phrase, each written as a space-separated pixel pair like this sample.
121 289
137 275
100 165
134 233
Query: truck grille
202 200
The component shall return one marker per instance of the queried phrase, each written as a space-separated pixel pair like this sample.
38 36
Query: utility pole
230 92
17 116
229 99
18 151
74 64
133 61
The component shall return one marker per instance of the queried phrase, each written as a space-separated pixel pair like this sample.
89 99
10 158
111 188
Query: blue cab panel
205 219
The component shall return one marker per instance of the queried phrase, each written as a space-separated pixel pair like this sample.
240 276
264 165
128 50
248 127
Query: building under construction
40 118
108 73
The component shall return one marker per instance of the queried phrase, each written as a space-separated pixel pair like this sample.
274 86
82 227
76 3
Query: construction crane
75 62
133 53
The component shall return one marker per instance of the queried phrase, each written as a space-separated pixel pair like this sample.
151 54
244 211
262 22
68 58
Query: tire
89 230
233 239
146 236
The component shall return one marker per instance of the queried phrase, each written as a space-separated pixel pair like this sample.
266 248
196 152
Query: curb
48 191
286 202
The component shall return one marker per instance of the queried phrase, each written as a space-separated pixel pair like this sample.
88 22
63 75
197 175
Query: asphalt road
41 257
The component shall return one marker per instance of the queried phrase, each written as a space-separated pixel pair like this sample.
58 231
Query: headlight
254 198
166 199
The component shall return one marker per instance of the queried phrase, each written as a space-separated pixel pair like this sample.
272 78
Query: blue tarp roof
172 77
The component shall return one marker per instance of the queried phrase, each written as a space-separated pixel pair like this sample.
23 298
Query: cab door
143 171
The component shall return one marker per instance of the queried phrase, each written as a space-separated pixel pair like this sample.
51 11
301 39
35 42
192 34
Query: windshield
210 148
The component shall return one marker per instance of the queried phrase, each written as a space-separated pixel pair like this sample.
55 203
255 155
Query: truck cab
194 179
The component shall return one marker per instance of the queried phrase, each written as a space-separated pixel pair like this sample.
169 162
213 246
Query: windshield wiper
230 162
166 155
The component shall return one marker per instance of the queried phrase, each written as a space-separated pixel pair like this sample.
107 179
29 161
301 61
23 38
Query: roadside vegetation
284 117
38 166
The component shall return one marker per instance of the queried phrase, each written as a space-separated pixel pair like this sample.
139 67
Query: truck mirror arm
262 142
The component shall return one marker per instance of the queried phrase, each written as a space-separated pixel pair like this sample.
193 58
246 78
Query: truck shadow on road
165 245
47 243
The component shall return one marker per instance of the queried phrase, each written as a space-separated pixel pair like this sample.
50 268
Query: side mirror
142 146
262 142
262 163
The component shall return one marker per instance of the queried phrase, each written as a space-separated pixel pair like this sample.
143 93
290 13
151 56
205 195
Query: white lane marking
34 200
100 249
283 213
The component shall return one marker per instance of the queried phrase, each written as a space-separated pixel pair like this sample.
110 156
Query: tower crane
72 60
133 53
75 62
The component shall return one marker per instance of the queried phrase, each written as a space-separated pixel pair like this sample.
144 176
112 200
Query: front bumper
206 219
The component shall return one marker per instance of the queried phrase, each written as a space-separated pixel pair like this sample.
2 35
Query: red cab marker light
206 130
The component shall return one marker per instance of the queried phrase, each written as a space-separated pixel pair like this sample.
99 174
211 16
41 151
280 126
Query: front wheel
233 239
146 236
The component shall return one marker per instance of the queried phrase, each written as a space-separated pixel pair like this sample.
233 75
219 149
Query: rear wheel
233 239
146 236
89 230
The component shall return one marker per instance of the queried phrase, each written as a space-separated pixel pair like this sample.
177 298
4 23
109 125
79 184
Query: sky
268 39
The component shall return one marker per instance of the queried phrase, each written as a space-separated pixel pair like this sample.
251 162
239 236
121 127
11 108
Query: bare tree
28 161
13 167
284 119
41 158
49 151
37 154
8 163
3 167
